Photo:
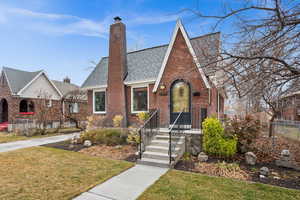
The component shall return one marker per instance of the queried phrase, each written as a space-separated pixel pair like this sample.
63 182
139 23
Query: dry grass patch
10 137
188 186
48 173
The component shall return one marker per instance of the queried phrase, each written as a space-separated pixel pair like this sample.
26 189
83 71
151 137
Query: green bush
214 140
104 136
133 137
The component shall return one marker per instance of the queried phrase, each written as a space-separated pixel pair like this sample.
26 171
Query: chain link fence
287 128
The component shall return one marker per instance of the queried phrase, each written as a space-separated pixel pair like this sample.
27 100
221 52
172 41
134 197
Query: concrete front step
154 162
165 143
157 155
166 137
160 149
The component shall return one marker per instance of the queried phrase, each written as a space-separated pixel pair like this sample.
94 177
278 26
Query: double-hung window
99 102
139 99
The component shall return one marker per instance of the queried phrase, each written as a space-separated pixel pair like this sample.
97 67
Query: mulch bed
119 152
267 151
65 145
124 152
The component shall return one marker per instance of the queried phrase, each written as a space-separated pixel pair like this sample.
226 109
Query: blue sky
64 36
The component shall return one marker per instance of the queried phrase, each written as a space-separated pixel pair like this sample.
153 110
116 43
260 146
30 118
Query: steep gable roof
64 87
145 65
17 79
178 28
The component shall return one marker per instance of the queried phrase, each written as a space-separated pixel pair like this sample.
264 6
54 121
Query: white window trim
99 112
148 103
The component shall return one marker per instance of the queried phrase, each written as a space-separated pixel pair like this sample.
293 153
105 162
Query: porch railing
149 129
177 128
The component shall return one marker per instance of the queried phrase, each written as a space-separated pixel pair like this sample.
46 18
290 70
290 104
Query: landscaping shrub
214 140
104 136
117 120
133 136
143 116
246 130
95 121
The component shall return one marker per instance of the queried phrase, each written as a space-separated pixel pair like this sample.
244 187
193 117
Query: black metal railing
149 129
176 128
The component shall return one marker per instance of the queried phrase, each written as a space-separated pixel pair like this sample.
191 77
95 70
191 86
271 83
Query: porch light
162 87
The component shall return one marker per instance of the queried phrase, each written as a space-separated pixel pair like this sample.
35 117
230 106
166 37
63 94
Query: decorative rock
250 158
262 177
87 143
202 157
276 178
71 146
118 146
264 171
285 153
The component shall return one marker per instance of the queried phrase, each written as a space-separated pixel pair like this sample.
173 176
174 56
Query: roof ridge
10 68
193 38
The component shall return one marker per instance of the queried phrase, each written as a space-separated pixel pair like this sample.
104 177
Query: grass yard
49 173
4 138
191 186
12 137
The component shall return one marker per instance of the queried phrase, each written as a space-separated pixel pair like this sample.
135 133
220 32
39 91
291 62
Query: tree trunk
271 126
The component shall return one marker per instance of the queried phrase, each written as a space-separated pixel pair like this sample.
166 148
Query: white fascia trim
8 82
94 87
171 44
139 86
36 77
99 90
140 82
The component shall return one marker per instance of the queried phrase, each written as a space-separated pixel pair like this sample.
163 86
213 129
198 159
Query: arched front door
180 101
4 111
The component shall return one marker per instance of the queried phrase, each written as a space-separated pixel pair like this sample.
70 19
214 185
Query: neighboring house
21 93
170 78
289 107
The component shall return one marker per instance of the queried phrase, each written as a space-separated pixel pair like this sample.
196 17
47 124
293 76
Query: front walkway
125 186
10 146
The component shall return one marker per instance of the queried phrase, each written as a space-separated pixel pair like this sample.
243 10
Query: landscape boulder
250 158
202 157
264 171
87 143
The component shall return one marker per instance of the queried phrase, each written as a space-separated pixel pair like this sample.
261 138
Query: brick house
289 107
169 78
21 95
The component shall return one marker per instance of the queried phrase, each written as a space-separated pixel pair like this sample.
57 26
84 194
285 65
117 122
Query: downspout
218 99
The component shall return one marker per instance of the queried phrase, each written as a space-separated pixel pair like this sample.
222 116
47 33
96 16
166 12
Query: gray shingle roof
18 79
145 64
63 87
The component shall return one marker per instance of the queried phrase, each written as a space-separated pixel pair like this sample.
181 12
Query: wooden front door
180 100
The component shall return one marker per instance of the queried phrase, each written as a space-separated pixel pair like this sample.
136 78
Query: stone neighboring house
21 93
170 78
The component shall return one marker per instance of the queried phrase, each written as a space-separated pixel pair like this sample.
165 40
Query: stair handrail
148 121
170 135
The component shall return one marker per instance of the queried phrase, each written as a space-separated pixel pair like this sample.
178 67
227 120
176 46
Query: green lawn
191 186
12 137
48 173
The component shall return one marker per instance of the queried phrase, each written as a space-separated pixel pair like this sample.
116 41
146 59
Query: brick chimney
67 80
117 71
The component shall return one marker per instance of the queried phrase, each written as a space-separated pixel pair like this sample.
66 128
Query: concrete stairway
156 154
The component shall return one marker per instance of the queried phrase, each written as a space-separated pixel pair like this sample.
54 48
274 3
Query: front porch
163 147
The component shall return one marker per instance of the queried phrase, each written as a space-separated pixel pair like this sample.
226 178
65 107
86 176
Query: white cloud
61 24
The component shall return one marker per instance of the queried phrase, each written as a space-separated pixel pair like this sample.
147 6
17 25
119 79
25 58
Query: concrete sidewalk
10 146
128 185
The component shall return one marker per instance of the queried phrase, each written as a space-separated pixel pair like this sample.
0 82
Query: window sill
99 112
137 112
